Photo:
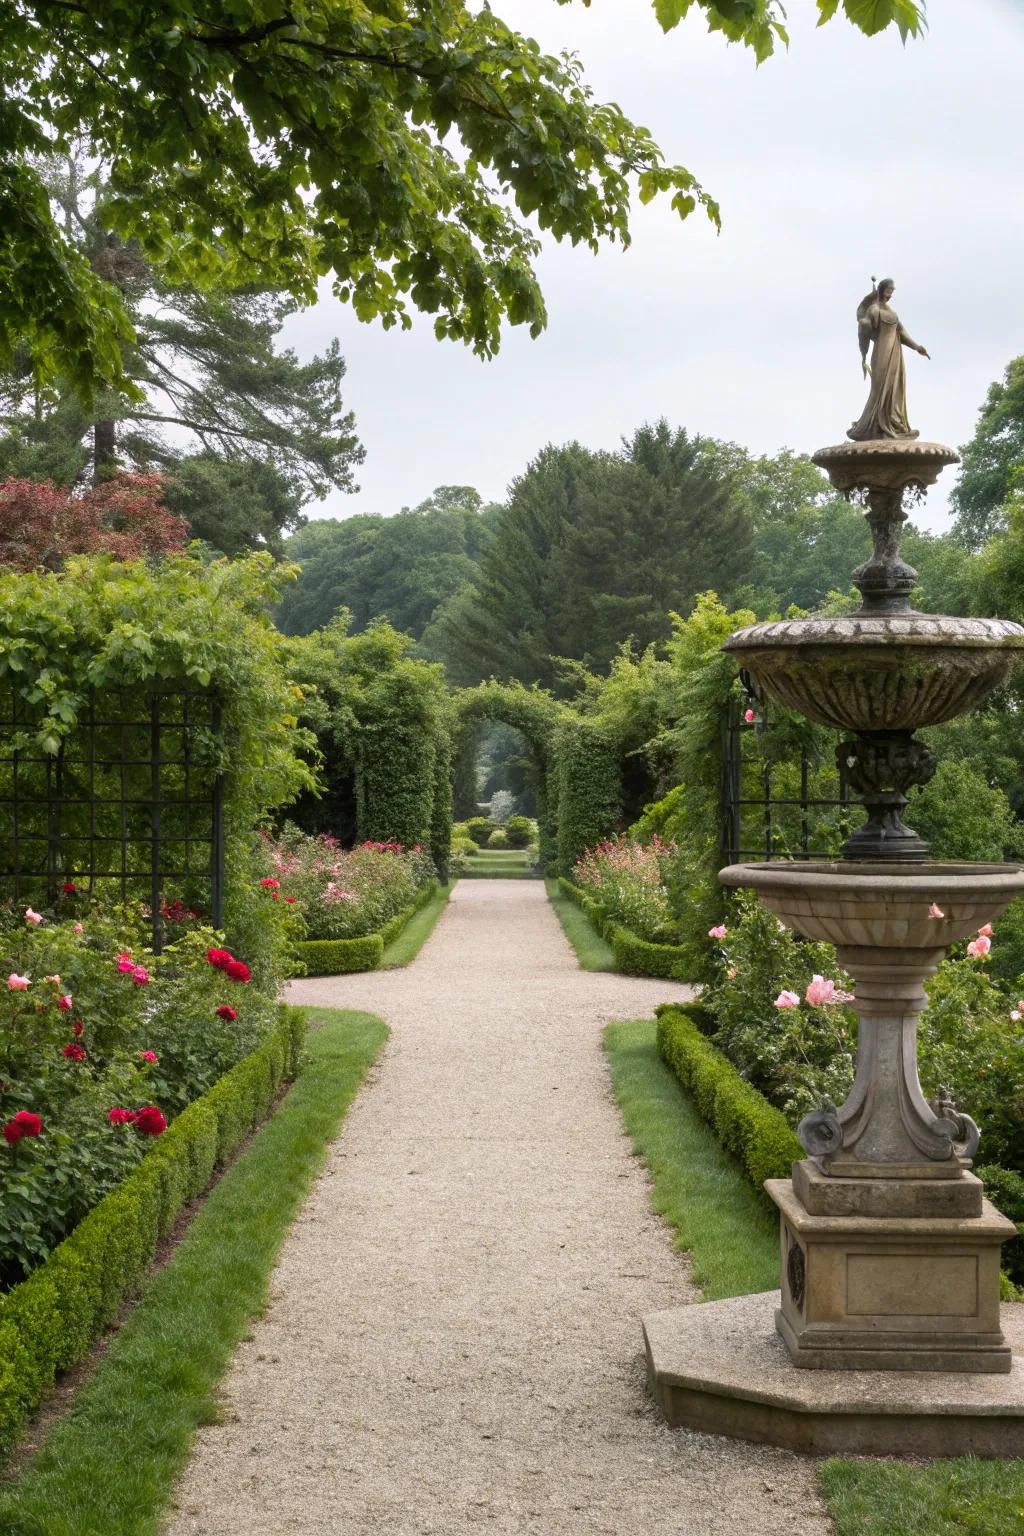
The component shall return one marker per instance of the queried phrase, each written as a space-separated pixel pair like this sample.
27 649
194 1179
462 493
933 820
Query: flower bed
634 956
342 957
627 879
101 1045
49 1321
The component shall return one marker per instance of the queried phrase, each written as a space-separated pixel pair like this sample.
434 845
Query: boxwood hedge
340 957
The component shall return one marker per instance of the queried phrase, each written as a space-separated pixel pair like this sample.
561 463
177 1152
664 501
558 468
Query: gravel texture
453 1342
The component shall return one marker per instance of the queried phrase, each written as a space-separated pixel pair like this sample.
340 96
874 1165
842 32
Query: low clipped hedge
755 1131
49 1321
340 957
633 956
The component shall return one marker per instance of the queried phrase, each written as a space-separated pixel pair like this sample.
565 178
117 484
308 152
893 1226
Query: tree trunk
104 451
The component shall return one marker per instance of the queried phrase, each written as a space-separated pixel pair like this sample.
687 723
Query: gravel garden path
453 1341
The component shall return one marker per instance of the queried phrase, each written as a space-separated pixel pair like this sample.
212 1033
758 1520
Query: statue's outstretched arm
908 341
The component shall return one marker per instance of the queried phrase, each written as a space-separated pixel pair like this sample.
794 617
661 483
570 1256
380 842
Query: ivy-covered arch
577 772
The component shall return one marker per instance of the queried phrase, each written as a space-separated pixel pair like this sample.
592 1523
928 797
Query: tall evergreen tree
592 549
245 432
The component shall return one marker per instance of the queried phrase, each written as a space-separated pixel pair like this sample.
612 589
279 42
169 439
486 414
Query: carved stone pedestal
902 1292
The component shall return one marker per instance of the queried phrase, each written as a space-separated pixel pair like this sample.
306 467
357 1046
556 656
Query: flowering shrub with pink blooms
628 879
781 1009
341 893
101 1044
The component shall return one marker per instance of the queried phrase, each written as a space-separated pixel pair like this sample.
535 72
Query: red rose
225 1011
150 1056
218 957
25 1123
140 976
237 970
73 1051
69 888
150 1121
290 900
271 884
119 1116
78 1027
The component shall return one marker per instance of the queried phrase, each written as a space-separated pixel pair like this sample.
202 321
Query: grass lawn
417 930
592 951
732 1237
108 1467
729 1230
499 864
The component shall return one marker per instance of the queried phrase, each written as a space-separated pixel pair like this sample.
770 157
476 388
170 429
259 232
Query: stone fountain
889 1250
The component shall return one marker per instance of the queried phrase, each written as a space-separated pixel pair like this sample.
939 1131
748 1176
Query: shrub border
49 1321
757 1133
633 956
340 957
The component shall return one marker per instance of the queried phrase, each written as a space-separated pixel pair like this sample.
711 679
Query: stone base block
720 1367
823 1194
911 1293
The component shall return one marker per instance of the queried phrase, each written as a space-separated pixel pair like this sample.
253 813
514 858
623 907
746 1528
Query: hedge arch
537 715
577 765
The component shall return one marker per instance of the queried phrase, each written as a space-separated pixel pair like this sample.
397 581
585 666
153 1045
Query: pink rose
18 983
720 931
35 918
150 1056
787 999
749 716
125 963
978 948
140 975
79 927
986 932
65 1003
821 991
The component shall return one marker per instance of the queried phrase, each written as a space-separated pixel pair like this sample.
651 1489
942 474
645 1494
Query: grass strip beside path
407 945
698 1189
108 1468
962 1497
592 951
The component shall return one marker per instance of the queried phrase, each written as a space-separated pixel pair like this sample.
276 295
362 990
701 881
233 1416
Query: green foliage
962 1496
48 1322
968 1043
479 829
401 568
593 548
498 838
312 142
589 787
746 1124
635 956
519 830
992 461
381 719
340 957
535 714
962 816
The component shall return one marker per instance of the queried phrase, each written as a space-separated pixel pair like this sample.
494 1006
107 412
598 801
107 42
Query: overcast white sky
845 157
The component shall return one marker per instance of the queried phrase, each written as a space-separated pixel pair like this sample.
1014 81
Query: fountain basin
879 672
868 905
884 464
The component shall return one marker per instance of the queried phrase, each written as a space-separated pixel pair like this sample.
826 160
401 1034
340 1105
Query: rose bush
629 880
101 1043
341 893
780 1006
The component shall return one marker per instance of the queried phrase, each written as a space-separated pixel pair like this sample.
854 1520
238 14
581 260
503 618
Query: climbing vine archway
576 768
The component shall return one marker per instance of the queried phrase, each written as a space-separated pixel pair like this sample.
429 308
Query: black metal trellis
132 800
747 786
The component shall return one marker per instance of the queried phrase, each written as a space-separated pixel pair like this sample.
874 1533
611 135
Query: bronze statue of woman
885 414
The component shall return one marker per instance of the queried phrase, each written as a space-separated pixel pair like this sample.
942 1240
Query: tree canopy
592 548
396 145
400 568
993 461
